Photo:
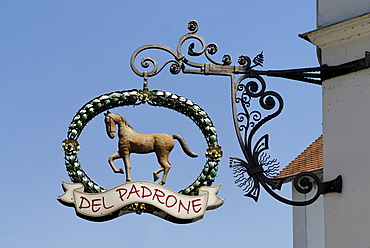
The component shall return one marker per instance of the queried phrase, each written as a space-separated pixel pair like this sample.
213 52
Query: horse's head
111 119
110 124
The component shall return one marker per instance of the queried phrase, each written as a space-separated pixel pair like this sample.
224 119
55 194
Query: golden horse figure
133 142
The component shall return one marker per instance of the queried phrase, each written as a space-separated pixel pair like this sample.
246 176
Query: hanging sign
93 202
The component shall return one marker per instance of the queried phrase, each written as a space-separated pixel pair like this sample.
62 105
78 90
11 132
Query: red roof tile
310 159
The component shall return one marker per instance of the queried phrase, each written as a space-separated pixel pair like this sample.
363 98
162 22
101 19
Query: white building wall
346 121
308 222
334 11
346 128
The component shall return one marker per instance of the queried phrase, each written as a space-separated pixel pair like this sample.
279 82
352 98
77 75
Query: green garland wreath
136 97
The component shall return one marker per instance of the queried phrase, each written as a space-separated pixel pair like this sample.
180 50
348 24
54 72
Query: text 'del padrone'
175 204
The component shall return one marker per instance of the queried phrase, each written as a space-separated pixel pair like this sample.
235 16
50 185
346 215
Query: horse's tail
185 146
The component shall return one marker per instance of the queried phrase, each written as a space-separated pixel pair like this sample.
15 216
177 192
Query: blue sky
57 55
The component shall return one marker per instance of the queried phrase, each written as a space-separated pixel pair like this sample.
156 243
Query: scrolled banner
140 196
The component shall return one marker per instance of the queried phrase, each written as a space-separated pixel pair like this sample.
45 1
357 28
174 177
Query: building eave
340 32
310 160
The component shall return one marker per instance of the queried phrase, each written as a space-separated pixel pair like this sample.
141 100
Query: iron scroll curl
180 62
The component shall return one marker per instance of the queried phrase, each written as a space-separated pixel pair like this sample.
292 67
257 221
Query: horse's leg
110 161
155 173
166 166
163 146
126 159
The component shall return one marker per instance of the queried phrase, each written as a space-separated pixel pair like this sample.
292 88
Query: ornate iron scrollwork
252 105
258 164
257 107
181 63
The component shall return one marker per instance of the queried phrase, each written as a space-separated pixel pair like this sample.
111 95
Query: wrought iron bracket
314 75
258 169
317 75
333 186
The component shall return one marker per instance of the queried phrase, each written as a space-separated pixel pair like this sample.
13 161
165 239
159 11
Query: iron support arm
314 75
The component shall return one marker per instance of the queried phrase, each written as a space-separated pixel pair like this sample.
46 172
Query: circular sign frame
135 97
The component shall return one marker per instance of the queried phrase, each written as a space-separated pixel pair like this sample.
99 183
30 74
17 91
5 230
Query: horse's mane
125 121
